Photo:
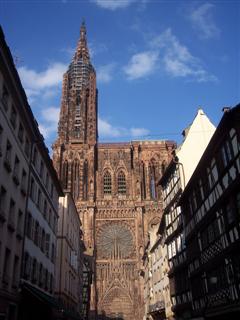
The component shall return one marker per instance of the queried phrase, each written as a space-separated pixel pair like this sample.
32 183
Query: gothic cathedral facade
115 189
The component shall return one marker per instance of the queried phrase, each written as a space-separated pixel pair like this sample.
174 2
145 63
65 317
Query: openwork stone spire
82 49
78 116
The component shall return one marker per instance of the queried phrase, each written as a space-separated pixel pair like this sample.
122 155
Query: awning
40 295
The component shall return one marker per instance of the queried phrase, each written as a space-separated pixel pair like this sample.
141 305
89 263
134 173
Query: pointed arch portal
117 305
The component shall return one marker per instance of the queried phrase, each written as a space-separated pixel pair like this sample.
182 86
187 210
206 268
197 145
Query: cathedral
115 187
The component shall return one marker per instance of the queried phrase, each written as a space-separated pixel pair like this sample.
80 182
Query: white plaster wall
190 151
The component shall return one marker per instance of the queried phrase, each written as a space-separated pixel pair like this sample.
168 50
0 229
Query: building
211 210
114 187
70 256
155 275
29 204
171 229
15 135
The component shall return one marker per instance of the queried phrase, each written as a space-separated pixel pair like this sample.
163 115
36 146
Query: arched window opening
152 182
143 181
85 180
65 175
107 183
122 183
75 179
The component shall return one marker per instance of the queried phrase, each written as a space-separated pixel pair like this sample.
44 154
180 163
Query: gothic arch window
121 180
65 175
75 178
85 180
107 183
152 172
143 181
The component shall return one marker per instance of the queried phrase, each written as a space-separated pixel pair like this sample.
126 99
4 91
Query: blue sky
157 61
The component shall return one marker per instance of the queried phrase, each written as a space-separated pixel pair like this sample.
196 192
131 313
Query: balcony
213 250
157 307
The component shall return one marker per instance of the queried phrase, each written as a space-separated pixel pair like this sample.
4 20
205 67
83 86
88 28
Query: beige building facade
70 255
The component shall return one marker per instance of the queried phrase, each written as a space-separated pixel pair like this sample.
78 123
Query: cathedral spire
82 52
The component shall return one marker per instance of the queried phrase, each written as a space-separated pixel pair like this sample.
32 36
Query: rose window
115 241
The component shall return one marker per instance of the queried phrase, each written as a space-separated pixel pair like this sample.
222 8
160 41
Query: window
65 175
226 153
24 182
107 183
3 204
27 265
34 159
11 216
45 208
32 189
43 240
6 266
29 225
20 132
230 213
1 135
47 180
53 253
16 170
5 97
27 147
15 272
40 275
85 180
121 183
234 141
13 117
8 155
39 199
36 234
34 271
47 244
51 190
238 203
20 223
41 169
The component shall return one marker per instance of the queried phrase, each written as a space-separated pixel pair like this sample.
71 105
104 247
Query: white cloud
113 4
177 59
107 130
203 21
49 122
141 64
36 82
105 73
139 132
